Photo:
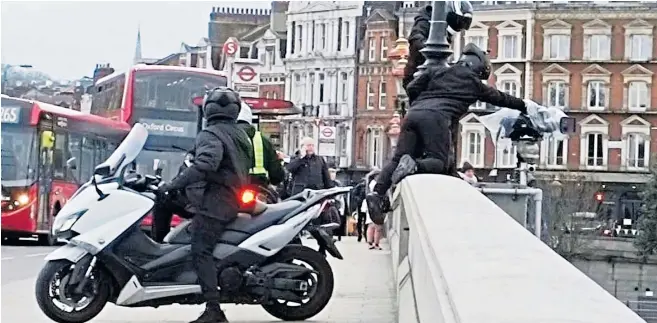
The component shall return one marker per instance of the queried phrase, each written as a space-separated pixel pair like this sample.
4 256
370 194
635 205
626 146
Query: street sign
246 74
327 133
231 46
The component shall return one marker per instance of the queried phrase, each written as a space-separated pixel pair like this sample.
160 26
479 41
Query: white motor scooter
109 259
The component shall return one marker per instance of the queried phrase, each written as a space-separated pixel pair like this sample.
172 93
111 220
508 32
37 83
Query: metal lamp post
5 74
437 49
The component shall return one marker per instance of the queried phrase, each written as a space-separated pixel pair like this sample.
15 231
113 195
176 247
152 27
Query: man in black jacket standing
308 169
213 183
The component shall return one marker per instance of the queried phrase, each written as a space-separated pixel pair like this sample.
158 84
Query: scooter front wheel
58 300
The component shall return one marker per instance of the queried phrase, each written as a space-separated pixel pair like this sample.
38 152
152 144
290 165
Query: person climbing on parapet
447 95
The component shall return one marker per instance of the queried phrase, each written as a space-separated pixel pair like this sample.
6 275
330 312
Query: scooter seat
273 214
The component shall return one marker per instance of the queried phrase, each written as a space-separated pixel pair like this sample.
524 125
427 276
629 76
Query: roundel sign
246 73
231 46
327 132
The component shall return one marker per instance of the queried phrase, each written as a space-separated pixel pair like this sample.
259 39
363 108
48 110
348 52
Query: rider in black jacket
447 95
213 183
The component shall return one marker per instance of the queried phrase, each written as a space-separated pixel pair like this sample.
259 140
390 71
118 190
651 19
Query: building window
371 47
345 44
510 47
638 93
311 81
595 149
299 40
296 89
370 96
511 88
383 101
384 49
640 47
506 155
344 83
599 47
480 41
309 131
637 151
321 88
323 36
556 152
274 95
556 94
374 147
474 152
342 137
559 46
596 96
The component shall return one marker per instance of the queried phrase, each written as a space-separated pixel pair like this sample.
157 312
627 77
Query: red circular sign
327 132
230 46
246 73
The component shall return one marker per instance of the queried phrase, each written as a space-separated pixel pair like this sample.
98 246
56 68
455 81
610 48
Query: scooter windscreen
125 154
540 121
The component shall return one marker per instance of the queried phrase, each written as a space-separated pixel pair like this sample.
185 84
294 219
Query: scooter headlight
64 223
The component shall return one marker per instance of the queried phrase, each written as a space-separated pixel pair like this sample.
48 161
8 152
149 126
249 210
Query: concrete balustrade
459 258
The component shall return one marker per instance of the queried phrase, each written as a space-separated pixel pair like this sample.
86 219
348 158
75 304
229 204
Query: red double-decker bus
165 100
47 152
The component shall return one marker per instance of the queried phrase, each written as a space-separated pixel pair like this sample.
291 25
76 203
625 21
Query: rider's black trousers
206 232
165 208
425 135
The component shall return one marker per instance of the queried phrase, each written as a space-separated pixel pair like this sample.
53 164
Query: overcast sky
67 39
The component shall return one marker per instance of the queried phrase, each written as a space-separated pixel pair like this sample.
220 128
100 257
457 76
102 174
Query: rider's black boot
212 314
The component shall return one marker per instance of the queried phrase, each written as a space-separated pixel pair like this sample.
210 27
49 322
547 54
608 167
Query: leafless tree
570 213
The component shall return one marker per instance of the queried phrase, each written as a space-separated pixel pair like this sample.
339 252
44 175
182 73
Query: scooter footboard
69 252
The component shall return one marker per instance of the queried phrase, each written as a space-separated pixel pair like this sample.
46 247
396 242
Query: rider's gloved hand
163 190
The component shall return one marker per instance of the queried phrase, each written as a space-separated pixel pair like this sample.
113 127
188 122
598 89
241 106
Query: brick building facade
595 61
377 89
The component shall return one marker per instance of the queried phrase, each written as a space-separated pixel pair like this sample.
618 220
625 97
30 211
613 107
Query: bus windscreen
172 90
19 154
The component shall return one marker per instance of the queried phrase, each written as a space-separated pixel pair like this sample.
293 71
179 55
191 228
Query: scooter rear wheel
53 297
322 291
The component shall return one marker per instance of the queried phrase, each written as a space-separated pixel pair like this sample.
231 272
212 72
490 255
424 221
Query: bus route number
10 115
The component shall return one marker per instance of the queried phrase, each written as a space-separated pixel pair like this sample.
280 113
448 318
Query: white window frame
470 124
510 87
629 128
384 48
322 31
298 42
558 86
371 49
556 28
638 95
297 89
638 27
383 95
595 73
550 152
370 95
592 29
322 95
502 77
505 29
600 89
344 86
477 29
636 74
346 34
375 149
505 156
601 127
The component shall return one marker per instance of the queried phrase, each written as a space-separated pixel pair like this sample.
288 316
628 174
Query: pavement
364 291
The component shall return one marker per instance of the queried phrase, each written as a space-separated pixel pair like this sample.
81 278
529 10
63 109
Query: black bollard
437 49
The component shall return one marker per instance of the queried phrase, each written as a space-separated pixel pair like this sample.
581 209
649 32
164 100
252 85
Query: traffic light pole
437 49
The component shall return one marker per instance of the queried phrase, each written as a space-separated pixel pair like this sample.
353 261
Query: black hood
424 14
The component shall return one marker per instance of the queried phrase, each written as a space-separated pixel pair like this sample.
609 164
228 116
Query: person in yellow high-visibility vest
266 167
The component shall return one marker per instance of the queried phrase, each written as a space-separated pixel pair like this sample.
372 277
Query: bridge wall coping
464 260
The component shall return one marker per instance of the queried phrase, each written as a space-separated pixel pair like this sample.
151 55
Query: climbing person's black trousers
425 135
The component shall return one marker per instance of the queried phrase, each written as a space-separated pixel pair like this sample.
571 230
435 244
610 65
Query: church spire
137 58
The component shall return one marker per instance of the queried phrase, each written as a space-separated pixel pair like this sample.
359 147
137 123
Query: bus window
169 90
87 159
75 147
60 154
19 153
101 148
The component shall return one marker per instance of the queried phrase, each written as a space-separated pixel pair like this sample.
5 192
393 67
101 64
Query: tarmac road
363 292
